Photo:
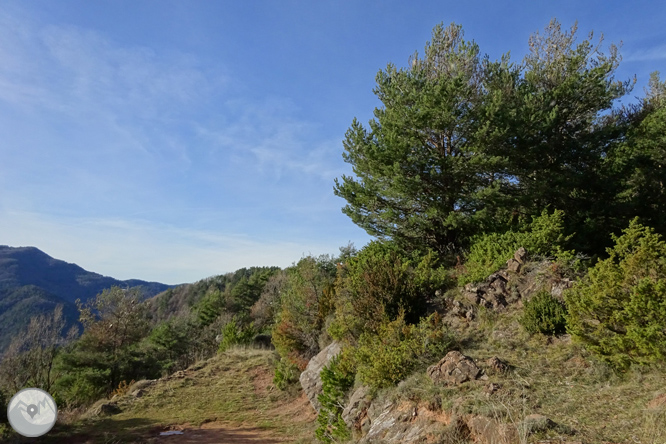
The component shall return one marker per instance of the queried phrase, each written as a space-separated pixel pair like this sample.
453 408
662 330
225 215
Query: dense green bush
378 283
337 378
489 252
397 349
619 310
544 314
286 373
238 331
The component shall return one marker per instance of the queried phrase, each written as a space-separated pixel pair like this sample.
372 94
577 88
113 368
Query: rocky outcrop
490 294
402 423
310 379
454 369
105 409
490 431
410 423
510 285
355 415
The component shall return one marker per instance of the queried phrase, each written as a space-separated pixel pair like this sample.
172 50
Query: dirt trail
215 433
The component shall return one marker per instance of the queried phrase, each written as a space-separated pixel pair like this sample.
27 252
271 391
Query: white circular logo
32 412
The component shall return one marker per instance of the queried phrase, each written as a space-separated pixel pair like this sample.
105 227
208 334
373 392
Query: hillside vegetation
519 222
34 283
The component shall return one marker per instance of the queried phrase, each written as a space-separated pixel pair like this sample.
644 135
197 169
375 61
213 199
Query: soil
215 433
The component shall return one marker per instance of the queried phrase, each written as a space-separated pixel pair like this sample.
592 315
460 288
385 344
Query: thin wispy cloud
103 133
151 251
648 54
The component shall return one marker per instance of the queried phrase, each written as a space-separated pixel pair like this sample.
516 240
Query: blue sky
174 140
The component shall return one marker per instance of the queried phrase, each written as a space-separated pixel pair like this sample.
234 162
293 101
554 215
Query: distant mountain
32 283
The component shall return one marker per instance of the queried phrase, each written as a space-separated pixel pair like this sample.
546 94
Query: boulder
490 431
537 423
520 255
513 265
106 409
355 414
310 379
495 365
454 369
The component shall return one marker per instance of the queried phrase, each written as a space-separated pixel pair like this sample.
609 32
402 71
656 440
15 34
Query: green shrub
337 378
81 388
305 302
379 282
489 252
238 331
619 309
544 314
286 373
397 349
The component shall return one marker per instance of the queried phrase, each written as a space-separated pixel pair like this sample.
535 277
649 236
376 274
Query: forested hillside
34 283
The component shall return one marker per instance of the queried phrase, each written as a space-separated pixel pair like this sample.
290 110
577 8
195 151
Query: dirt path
215 433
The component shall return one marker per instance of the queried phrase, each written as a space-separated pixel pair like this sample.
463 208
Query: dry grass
231 391
552 377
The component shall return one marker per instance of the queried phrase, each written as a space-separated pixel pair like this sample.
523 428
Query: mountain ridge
32 283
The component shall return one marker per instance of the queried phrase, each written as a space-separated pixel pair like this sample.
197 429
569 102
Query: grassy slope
232 390
552 377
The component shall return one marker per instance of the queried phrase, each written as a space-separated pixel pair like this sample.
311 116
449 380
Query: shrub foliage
489 252
544 314
398 349
619 309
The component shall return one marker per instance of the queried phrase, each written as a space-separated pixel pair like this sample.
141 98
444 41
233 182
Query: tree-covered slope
32 283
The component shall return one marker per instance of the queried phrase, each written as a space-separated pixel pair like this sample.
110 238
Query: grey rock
513 265
454 369
495 365
310 379
356 411
537 423
106 409
520 255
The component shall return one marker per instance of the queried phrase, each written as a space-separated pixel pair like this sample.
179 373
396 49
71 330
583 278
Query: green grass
233 389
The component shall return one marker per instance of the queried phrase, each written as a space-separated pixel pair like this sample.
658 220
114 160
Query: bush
337 378
238 331
619 310
397 349
286 373
489 252
378 283
304 304
544 314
